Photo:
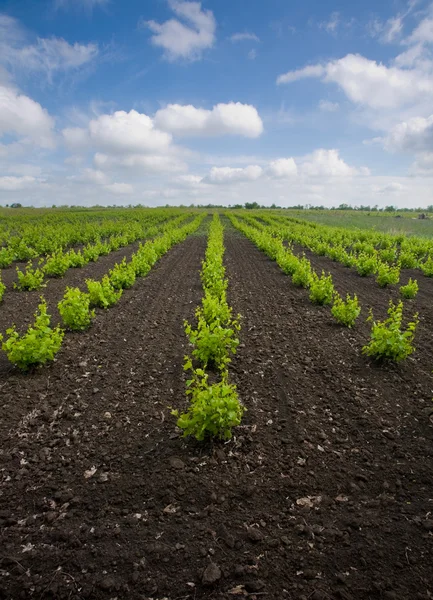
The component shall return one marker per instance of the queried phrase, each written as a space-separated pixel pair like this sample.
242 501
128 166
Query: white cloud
242 37
141 163
233 118
93 176
331 25
23 169
23 117
392 29
282 167
180 40
14 184
327 106
423 33
304 73
414 135
423 165
252 54
391 188
124 132
76 138
222 175
322 163
369 83
325 163
387 31
45 55
119 189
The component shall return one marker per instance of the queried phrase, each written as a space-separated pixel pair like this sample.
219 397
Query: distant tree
16 205
251 205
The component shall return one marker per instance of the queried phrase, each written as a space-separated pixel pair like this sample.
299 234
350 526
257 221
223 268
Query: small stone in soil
176 463
212 574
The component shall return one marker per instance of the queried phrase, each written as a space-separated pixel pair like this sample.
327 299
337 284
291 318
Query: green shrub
409 290
140 264
346 312
427 267
388 339
75 309
321 289
215 309
387 275
102 293
287 262
38 345
407 260
91 253
76 259
302 275
122 275
57 264
30 279
6 257
213 343
366 265
214 409
23 252
2 288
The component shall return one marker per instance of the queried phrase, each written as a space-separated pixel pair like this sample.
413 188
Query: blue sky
171 101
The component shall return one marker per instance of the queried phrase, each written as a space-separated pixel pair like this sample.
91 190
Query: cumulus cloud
423 165
14 184
76 138
414 135
282 167
23 117
320 164
45 55
221 175
367 82
124 132
233 118
187 39
326 163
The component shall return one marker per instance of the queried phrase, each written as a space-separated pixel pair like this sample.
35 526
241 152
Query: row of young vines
214 407
60 261
41 342
389 339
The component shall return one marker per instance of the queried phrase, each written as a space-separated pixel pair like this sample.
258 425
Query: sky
119 102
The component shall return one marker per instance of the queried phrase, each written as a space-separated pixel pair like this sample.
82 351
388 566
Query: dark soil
323 493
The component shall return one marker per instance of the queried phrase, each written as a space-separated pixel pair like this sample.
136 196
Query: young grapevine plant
345 312
389 340
214 409
38 345
102 293
75 309
321 289
410 290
